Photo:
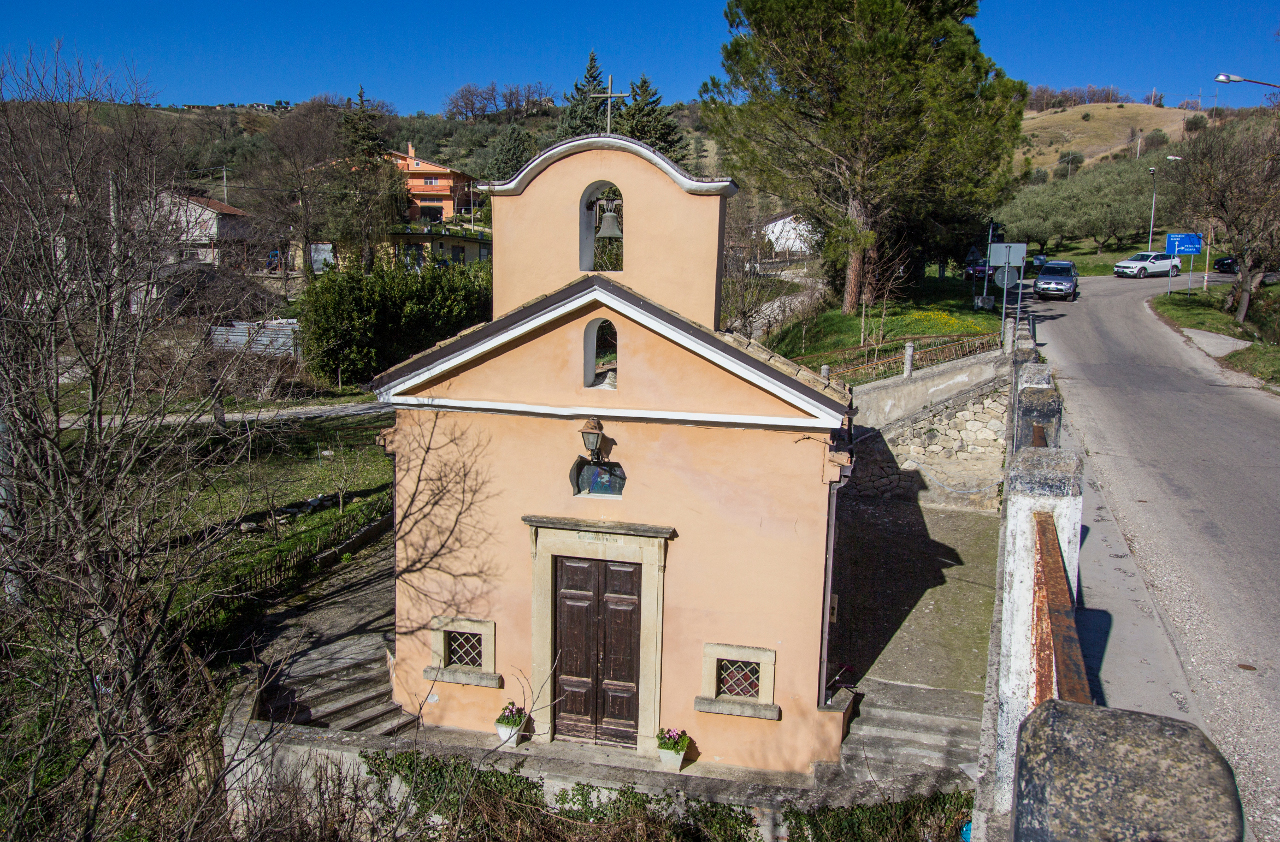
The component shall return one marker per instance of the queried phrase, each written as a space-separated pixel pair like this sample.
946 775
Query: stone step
343 705
337 670
946 727
365 717
900 750
929 738
320 694
397 725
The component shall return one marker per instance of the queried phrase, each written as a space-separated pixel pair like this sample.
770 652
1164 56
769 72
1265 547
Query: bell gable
665 228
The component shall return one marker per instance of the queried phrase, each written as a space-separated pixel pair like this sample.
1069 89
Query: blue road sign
1182 243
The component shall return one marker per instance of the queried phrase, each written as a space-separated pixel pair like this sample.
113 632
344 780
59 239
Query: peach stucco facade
671 250
724 512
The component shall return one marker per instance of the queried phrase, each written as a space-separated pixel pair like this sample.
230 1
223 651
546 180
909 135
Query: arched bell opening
601 229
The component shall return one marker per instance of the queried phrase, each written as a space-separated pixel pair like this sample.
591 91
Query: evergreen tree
512 149
698 157
875 120
360 129
582 114
368 192
646 119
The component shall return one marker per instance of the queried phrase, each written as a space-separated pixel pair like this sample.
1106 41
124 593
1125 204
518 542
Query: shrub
1154 140
359 325
1196 123
1086 116
1120 105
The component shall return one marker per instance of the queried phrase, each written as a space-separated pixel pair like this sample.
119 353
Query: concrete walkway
1130 661
1215 344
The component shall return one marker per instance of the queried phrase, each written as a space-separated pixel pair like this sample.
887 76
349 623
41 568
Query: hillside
1107 130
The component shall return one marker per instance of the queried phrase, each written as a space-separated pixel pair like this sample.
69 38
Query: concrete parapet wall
949 454
260 755
1040 480
882 403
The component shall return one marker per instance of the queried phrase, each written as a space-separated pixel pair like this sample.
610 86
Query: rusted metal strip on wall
1059 663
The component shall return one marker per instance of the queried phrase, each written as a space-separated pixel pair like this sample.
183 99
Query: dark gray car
1058 279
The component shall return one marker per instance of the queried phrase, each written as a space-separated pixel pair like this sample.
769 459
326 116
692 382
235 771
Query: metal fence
263 579
270 339
869 363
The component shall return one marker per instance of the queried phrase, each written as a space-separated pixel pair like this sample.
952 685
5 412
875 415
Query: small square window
738 681
738 678
465 649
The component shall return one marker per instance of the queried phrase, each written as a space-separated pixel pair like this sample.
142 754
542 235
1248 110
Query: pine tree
359 129
698 157
512 149
584 115
646 119
876 120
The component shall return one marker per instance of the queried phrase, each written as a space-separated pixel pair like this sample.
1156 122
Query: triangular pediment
531 361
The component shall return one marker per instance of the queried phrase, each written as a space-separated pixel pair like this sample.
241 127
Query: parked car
1058 279
977 272
1227 265
1148 263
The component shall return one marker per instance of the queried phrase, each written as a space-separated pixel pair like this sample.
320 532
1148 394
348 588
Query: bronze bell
609 227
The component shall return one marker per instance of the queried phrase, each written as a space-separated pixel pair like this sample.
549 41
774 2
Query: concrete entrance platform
916 590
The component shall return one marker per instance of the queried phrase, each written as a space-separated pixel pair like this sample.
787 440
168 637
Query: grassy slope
1203 311
1105 132
932 309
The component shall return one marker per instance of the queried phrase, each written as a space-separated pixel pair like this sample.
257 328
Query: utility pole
224 184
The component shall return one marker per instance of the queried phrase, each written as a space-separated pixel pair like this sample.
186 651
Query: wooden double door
597 642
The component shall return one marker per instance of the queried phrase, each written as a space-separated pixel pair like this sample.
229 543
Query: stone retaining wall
949 454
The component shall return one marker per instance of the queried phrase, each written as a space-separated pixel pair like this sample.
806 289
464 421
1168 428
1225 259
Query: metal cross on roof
609 96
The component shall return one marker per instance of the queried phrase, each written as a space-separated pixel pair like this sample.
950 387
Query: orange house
435 192
671 571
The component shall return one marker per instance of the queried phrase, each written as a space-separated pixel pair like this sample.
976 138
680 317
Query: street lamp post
1151 229
1228 78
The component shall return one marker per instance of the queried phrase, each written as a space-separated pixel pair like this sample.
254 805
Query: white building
790 235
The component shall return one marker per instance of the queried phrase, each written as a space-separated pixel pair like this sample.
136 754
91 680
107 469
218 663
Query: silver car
1058 279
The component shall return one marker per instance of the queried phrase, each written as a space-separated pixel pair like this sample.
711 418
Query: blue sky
414 54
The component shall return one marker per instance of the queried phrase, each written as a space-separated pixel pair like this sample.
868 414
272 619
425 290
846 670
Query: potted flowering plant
671 748
509 723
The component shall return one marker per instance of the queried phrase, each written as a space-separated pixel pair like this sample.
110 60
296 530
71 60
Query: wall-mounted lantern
592 431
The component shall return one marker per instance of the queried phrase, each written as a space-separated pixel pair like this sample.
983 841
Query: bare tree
291 182
1229 177
105 388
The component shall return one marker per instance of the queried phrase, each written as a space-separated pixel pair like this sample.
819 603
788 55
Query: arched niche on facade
600 355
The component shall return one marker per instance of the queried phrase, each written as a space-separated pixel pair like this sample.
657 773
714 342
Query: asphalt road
1187 455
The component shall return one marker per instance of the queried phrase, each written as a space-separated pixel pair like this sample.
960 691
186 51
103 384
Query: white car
1148 263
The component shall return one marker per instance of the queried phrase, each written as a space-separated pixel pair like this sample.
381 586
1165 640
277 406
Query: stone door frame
633 543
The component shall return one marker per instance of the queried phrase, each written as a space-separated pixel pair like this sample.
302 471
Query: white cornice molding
534 168
710 349
616 414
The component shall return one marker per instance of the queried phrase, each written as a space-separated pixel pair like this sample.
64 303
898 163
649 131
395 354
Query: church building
607 510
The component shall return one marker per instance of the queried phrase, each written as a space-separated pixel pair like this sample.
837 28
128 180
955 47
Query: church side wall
745 567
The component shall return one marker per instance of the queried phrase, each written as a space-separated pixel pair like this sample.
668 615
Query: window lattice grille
464 649
738 678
